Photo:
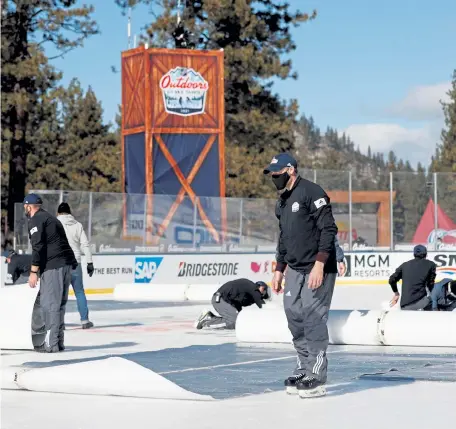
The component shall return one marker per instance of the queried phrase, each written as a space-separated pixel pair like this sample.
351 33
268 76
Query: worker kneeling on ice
228 302
443 295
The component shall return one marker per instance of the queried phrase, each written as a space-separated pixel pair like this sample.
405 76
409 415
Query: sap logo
145 268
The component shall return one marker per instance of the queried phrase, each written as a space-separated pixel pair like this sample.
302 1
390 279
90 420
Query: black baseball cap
64 208
279 162
265 294
32 199
419 251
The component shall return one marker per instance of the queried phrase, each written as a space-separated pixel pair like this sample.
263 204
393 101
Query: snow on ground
374 387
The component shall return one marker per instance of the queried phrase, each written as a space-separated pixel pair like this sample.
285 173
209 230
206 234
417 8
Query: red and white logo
265 267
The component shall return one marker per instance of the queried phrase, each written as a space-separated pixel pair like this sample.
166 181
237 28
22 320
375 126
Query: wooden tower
173 138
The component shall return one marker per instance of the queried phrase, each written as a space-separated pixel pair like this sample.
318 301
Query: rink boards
363 268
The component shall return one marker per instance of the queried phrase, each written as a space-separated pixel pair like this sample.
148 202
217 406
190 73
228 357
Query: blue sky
375 69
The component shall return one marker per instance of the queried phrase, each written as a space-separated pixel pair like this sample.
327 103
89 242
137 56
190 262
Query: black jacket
20 264
307 228
416 275
50 248
241 293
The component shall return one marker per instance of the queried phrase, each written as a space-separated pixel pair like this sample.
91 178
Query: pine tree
444 161
26 27
445 158
89 152
255 36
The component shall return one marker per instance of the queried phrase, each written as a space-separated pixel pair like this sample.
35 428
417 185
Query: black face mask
281 180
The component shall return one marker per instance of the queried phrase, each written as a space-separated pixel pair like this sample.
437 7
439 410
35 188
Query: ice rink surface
368 387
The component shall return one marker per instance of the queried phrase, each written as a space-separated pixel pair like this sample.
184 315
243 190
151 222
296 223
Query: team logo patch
320 203
33 230
274 161
295 207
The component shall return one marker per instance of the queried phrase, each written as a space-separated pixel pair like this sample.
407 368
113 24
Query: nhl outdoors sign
184 91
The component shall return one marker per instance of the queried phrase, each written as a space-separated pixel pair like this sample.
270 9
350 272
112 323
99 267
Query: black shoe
61 347
44 349
310 387
291 383
87 325
205 316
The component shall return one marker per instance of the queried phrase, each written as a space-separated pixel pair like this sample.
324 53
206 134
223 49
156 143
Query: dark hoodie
416 275
241 293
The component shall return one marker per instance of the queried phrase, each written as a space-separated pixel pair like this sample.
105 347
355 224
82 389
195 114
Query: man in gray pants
52 263
306 247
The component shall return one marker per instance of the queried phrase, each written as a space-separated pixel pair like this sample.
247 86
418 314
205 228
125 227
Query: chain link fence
388 211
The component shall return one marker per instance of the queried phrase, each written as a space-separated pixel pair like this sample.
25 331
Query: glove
90 269
74 265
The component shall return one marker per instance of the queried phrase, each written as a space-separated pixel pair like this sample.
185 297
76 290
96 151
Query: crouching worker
18 268
444 295
228 302
418 276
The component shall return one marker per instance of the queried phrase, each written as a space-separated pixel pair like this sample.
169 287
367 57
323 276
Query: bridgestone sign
211 269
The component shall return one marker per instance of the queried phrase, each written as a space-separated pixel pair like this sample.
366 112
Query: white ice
374 404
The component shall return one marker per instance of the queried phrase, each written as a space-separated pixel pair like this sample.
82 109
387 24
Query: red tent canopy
427 225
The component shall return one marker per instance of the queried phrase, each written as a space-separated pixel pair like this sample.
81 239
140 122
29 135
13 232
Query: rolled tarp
355 327
21 321
201 292
150 292
114 376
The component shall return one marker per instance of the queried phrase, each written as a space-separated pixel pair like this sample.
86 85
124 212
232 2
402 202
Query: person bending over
18 268
443 295
418 276
228 302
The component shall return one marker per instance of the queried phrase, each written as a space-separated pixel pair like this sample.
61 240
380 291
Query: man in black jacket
418 277
18 268
306 245
52 263
228 302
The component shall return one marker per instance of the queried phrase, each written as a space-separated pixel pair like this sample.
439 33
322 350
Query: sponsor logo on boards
146 267
263 267
368 266
208 269
445 259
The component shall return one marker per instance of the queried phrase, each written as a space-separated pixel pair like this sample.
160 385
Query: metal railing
389 211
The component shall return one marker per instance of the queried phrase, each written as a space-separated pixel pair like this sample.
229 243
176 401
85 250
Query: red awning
446 227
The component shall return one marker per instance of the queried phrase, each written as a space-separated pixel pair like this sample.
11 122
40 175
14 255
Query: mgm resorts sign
369 265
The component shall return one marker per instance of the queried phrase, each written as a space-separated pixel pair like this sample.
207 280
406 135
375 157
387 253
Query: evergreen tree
444 161
89 152
255 36
445 158
26 27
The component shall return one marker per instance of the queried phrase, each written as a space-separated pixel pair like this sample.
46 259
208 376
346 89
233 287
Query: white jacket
76 236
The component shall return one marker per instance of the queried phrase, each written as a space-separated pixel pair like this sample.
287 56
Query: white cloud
422 102
412 144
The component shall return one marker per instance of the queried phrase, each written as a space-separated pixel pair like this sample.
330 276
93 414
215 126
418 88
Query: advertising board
200 268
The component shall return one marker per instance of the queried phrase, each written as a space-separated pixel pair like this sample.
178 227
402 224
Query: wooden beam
382 198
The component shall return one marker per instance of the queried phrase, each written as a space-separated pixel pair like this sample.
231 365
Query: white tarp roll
356 327
17 308
113 376
150 292
201 292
